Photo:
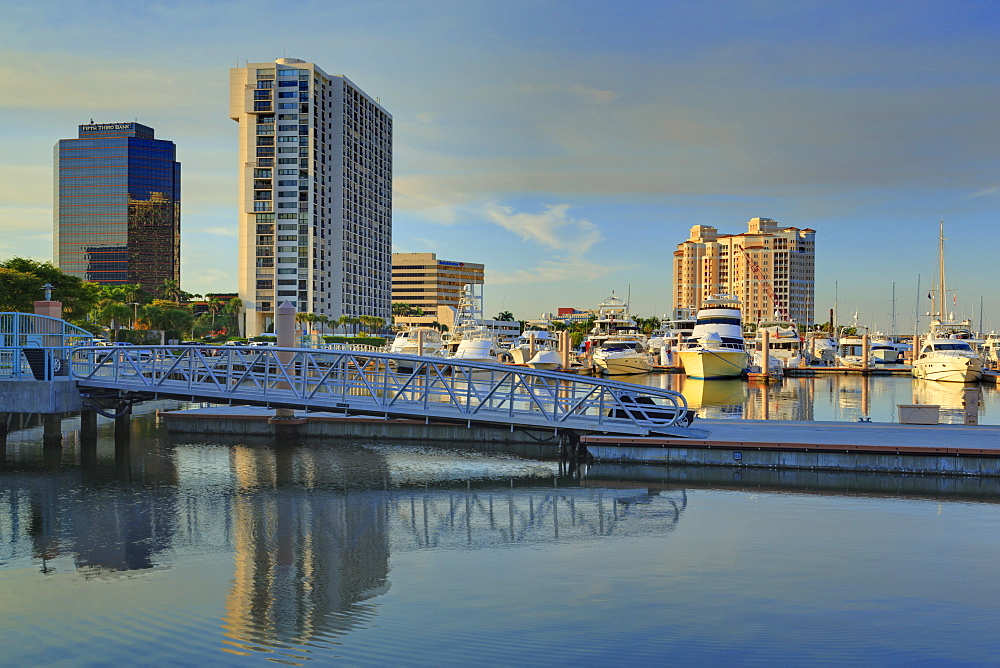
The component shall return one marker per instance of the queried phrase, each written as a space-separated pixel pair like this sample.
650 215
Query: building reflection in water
310 529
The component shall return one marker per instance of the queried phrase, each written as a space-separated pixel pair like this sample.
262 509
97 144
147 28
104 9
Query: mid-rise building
434 286
117 210
771 269
315 202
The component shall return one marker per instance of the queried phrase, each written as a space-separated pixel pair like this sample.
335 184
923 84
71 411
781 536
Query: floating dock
939 449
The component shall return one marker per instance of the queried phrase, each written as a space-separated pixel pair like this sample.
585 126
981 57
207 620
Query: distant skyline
567 146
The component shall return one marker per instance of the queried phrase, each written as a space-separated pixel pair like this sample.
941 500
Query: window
284 84
287 183
280 94
261 206
287 73
262 173
288 127
287 271
283 105
262 106
287 172
266 95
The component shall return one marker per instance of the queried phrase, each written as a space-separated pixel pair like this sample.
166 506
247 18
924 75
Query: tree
214 306
77 296
171 290
112 314
235 309
167 319
506 316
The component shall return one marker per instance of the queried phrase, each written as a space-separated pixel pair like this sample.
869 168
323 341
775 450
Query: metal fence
375 383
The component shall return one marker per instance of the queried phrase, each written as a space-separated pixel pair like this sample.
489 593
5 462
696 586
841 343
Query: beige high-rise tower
315 193
771 269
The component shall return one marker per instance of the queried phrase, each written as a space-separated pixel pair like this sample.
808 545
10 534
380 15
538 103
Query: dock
938 449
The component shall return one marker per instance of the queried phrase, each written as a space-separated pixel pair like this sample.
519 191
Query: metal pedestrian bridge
386 385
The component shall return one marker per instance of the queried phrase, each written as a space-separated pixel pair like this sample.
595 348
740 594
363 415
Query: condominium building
315 156
771 269
434 286
117 210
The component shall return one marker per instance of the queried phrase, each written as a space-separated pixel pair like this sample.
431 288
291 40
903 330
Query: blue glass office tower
118 206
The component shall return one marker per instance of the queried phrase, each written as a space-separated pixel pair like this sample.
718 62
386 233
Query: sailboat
946 352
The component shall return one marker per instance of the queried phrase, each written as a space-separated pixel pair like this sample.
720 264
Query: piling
864 352
52 430
284 330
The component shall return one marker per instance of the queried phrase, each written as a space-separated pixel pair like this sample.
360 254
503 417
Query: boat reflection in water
949 396
715 399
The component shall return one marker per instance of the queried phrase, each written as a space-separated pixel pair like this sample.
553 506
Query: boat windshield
719 320
951 346
620 346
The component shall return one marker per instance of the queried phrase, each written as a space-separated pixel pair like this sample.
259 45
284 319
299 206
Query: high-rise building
315 193
434 286
117 210
771 269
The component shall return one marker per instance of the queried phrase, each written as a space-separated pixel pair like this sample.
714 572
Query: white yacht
470 340
666 336
537 347
716 348
406 342
850 351
784 345
616 344
946 352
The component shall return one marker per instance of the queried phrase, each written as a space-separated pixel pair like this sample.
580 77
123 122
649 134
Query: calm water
179 551
840 398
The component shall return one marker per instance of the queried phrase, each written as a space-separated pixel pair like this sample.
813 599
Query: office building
315 200
771 269
434 286
117 210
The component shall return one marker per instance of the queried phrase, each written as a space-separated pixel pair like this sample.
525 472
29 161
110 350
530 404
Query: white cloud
553 227
550 271
986 192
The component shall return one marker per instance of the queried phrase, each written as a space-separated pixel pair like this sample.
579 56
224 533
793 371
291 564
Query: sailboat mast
941 307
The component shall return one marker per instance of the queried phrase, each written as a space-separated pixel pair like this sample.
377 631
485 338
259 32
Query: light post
135 312
48 287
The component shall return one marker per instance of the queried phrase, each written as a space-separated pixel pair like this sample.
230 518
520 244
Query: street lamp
48 287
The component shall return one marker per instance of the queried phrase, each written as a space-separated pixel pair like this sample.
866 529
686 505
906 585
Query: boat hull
613 365
709 364
961 370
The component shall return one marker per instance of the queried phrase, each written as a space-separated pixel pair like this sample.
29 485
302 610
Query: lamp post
48 287
135 312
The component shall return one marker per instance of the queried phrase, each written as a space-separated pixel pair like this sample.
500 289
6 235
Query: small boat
784 345
416 341
716 348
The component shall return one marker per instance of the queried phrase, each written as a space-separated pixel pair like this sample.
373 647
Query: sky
568 146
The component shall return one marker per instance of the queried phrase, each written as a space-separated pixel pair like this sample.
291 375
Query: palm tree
235 308
366 321
171 290
506 316
112 314
214 306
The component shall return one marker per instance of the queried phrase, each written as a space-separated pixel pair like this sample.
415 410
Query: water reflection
310 528
835 397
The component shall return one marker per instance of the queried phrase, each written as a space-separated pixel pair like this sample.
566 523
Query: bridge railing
35 363
372 383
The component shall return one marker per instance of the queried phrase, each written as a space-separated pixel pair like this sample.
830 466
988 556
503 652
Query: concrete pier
833 446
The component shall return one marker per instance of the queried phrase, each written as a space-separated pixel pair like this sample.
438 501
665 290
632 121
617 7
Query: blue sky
568 146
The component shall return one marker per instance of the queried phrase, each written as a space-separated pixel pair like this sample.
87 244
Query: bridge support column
52 430
4 428
88 435
123 429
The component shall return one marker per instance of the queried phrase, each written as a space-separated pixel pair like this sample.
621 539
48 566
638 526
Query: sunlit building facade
315 202
117 206
434 286
771 269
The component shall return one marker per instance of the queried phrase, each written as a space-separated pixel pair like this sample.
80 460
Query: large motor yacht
616 343
946 354
716 348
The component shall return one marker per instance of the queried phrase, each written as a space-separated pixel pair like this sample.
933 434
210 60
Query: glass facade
117 206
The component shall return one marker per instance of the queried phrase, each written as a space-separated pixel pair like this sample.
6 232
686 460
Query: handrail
370 383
